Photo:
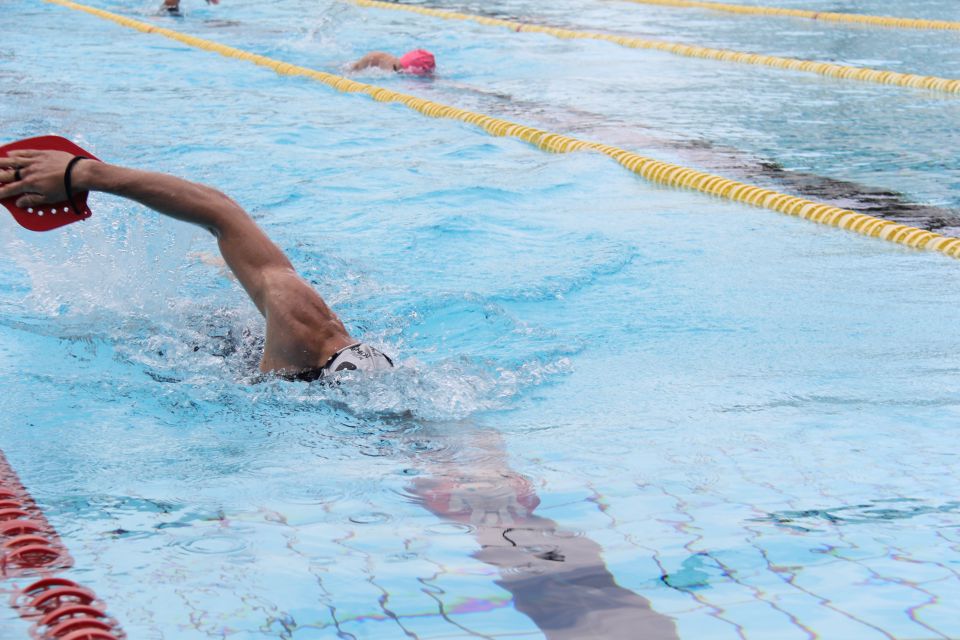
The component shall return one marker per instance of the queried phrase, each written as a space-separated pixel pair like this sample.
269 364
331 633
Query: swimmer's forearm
376 59
171 196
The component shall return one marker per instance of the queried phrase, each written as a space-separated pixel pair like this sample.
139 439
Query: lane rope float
655 171
59 609
829 69
831 16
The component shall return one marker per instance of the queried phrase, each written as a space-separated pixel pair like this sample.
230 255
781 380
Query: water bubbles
449 390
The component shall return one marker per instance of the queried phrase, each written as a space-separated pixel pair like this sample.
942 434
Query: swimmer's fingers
25 158
32 192
32 200
41 173
13 189
8 170
31 188
19 159
23 188
25 154
16 159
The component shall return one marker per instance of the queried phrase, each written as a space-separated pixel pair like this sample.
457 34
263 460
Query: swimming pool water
745 420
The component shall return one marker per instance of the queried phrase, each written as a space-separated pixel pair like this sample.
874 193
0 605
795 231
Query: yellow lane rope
856 18
864 74
653 170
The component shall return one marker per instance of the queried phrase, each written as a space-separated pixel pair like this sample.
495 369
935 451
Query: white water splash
116 265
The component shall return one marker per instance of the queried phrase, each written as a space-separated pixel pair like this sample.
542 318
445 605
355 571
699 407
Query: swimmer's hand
41 176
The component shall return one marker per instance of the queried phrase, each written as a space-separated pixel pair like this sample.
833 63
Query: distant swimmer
172 7
417 62
305 340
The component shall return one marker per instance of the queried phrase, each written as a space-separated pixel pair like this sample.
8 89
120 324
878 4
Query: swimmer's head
417 62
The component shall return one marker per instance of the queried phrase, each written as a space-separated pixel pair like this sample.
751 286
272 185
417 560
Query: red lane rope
60 608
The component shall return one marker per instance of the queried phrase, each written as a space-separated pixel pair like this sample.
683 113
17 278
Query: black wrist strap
67 186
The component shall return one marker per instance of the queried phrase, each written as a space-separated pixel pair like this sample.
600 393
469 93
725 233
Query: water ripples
371 517
451 529
312 495
888 510
218 544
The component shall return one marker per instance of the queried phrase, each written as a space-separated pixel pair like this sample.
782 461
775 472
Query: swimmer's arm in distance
379 59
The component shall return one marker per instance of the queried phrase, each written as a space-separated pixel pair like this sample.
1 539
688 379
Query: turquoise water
619 406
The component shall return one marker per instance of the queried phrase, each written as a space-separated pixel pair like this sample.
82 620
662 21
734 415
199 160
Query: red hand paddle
48 216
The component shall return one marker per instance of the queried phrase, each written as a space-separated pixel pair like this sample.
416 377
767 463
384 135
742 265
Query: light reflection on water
688 402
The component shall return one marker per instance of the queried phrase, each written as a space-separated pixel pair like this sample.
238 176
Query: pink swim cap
418 62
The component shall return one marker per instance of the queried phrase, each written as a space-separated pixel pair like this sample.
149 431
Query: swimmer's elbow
222 212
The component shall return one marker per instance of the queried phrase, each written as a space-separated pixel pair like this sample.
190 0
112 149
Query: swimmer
417 62
172 7
305 340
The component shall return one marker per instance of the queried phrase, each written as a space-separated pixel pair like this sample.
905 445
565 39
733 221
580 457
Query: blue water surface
742 421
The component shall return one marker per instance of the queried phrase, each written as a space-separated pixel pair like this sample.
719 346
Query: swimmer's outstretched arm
302 331
379 59
250 254
247 250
